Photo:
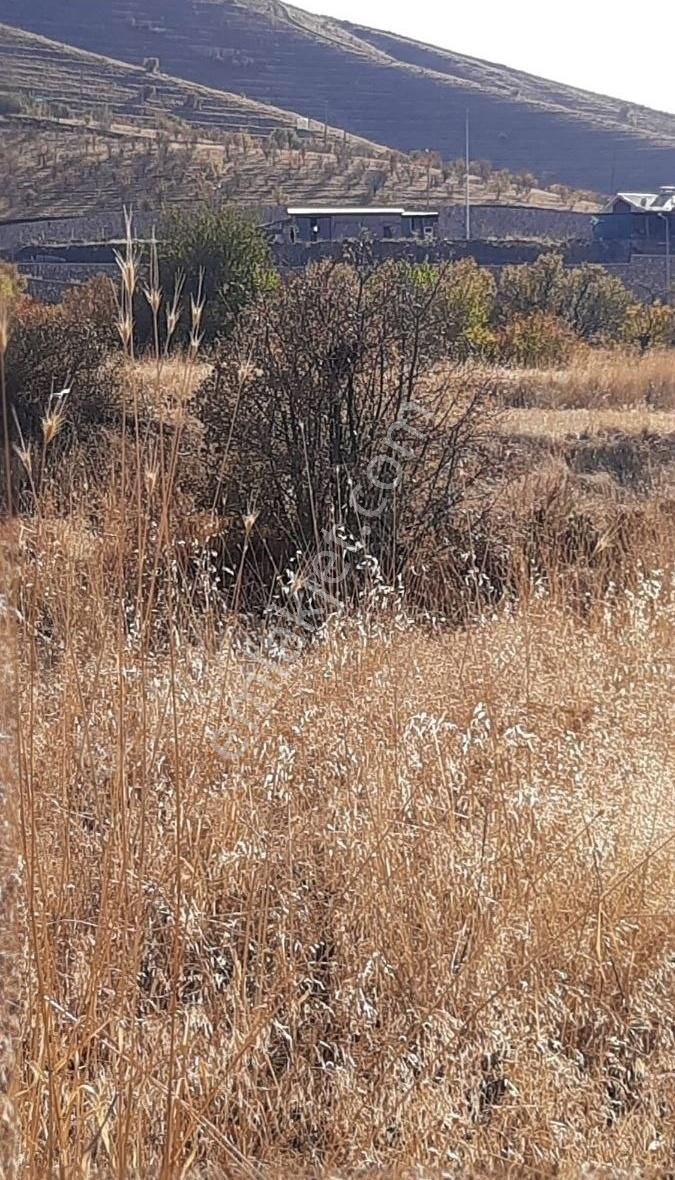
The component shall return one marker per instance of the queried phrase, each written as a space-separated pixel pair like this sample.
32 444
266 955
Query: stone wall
49 280
486 252
644 275
96 228
487 221
520 221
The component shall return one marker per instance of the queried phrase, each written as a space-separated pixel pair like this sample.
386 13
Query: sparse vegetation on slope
56 168
39 75
81 133
391 91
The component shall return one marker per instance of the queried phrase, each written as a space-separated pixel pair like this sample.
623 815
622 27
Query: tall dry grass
560 424
163 393
401 907
11 950
420 913
597 379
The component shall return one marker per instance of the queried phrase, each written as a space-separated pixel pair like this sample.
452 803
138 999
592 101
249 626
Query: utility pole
468 180
669 277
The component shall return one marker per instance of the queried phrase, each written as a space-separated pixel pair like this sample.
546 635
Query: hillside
385 88
54 76
56 168
88 134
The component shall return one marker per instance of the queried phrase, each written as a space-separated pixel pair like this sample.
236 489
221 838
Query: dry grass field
400 907
598 380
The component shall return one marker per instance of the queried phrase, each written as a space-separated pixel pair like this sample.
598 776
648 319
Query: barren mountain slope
88 83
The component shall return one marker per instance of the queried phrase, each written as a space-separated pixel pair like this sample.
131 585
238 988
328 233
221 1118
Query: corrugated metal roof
662 202
665 199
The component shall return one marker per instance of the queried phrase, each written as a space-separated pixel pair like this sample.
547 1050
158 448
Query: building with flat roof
332 224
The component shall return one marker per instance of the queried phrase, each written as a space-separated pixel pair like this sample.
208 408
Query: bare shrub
61 383
324 411
93 303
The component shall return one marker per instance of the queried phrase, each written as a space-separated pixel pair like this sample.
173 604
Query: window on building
388 231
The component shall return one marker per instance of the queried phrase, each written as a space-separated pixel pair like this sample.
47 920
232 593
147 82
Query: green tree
463 298
467 294
230 254
539 338
593 303
536 286
650 325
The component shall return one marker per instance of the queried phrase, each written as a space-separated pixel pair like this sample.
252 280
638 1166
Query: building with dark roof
646 220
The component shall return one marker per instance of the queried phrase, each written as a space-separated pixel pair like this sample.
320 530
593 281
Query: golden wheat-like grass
163 389
597 380
10 947
554 424
419 914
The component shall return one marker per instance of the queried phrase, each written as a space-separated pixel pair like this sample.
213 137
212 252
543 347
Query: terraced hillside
92 133
385 88
54 76
53 168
